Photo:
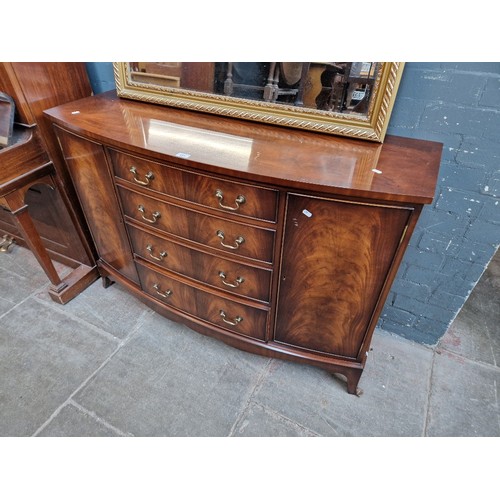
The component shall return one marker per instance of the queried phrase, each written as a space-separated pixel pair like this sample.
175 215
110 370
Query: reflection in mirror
340 87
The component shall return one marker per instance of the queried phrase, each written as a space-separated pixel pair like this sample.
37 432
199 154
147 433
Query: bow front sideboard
277 241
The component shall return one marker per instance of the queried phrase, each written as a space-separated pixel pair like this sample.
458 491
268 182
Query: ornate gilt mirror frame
371 125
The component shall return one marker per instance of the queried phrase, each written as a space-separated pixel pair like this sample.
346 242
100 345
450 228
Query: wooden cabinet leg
353 376
106 281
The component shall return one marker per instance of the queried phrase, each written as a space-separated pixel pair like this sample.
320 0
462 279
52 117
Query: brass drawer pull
238 241
155 215
165 294
239 200
237 282
149 177
162 255
234 322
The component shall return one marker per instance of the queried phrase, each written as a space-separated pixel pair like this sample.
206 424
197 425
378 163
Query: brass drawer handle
165 294
149 177
155 215
237 282
162 255
234 322
239 200
238 241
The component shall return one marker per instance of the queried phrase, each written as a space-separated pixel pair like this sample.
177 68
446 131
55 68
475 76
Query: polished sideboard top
400 170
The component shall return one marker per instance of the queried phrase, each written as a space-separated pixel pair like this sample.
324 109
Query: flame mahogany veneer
281 242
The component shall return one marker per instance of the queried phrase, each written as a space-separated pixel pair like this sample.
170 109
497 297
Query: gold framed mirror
351 99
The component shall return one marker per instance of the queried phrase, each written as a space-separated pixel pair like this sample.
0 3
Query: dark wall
101 76
457 104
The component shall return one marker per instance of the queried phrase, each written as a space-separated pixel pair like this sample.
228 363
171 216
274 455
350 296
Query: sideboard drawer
231 315
240 279
168 290
208 191
216 233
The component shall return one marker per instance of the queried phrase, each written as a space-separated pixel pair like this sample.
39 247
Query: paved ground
106 365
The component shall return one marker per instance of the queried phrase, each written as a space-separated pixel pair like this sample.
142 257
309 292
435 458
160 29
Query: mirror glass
342 87
343 98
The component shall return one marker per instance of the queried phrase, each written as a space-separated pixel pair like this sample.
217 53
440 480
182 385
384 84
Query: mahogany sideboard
280 242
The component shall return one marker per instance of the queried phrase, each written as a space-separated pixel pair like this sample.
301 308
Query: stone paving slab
475 333
464 399
170 381
44 357
393 403
259 421
110 309
72 421
20 276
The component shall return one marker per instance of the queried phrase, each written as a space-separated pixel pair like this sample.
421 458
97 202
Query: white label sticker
357 95
183 155
307 213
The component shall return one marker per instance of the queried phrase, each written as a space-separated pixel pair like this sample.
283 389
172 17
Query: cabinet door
336 258
87 165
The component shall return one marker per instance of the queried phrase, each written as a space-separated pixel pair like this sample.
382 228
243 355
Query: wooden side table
23 165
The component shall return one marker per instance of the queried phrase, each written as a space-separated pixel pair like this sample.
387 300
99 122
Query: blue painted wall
101 76
457 104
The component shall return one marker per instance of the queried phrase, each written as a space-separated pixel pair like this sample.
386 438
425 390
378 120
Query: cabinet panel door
88 168
336 259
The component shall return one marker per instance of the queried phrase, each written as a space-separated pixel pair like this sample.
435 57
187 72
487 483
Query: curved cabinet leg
353 375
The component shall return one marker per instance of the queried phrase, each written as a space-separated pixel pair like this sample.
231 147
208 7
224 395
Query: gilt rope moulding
345 99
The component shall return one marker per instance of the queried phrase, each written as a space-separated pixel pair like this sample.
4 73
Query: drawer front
208 191
232 237
221 273
221 312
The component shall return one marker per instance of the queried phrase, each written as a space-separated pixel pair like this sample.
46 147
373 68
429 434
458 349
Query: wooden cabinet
280 242
35 87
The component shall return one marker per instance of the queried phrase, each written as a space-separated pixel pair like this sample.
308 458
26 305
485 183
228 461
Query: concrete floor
106 365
